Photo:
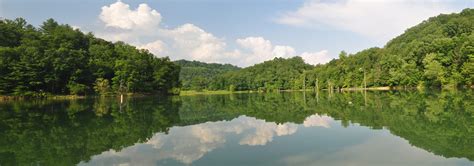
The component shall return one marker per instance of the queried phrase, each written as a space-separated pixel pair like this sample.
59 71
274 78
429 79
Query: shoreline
381 88
216 92
220 92
4 98
207 92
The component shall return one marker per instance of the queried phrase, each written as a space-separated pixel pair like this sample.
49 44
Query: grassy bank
370 88
210 92
10 98
207 92
68 97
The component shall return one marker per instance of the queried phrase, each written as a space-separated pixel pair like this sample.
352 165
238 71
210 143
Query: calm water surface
373 128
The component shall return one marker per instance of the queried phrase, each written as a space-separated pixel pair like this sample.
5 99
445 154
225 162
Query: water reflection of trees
441 123
67 132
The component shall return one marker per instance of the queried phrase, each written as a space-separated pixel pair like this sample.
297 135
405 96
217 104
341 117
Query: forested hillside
438 52
57 59
276 74
196 75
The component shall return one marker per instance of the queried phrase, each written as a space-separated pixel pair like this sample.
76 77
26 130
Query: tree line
197 75
437 53
58 59
276 74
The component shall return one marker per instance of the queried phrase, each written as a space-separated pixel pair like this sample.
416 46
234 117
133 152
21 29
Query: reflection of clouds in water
264 132
190 143
317 120
381 148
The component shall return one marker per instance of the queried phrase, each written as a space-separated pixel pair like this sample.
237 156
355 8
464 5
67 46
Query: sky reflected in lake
324 145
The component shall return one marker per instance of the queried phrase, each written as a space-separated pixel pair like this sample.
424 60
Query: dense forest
196 75
57 59
276 74
439 52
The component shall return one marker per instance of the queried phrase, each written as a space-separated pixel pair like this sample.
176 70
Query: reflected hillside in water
185 129
190 143
67 132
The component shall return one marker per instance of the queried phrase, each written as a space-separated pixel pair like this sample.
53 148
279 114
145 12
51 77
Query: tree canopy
197 75
276 74
439 52
59 59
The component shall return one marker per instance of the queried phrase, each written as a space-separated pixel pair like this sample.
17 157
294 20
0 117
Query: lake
288 128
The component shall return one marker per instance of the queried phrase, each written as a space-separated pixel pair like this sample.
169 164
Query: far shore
66 97
213 92
209 92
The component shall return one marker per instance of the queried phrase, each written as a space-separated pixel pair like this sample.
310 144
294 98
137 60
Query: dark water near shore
293 128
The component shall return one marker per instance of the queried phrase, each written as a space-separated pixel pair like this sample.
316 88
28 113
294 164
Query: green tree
102 86
434 71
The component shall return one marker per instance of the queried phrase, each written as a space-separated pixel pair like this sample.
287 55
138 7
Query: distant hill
197 75
438 52
276 74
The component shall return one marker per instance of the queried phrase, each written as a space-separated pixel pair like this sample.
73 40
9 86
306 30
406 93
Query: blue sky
240 32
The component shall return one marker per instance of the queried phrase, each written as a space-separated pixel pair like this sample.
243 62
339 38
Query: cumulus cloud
283 51
193 41
262 49
380 20
119 15
314 58
258 45
141 27
157 47
255 49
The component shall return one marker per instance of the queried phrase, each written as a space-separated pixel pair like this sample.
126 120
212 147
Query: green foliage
468 70
434 72
57 59
102 86
272 75
77 89
196 75
231 88
276 74
436 53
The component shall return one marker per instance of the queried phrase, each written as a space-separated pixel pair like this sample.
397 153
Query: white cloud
192 42
283 51
158 47
314 58
380 20
258 45
141 27
262 49
119 15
